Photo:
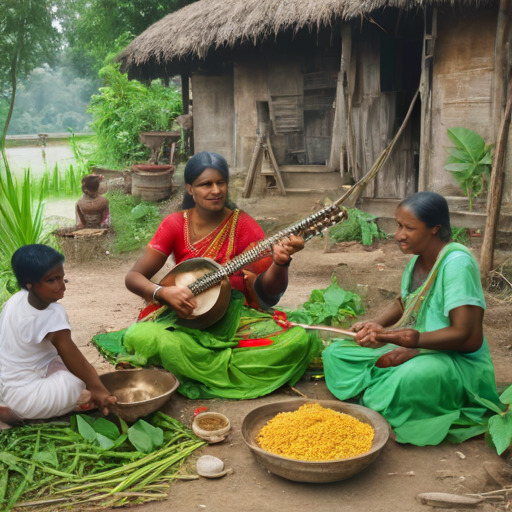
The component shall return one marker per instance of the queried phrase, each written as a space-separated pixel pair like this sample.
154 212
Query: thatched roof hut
206 24
337 77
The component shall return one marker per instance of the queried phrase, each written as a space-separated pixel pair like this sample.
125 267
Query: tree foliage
52 100
95 29
28 38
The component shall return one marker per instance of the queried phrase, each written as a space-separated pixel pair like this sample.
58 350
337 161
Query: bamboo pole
356 190
496 190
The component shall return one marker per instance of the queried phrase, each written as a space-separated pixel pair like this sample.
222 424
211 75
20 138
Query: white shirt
25 352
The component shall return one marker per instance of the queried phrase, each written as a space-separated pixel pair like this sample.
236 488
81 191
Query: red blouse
231 238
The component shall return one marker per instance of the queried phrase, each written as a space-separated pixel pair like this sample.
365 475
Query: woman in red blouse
210 226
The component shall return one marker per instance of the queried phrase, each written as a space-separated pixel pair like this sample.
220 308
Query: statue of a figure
92 209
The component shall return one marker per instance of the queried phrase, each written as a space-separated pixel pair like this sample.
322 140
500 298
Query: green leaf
140 211
124 426
458 154
105 442
506 396
85 429
459 167
487 403
144 437
500 428
106 428
46 458
334 296
469 141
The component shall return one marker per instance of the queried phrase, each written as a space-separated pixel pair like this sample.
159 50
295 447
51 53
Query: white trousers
54 394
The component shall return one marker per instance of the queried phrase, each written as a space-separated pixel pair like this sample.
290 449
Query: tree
28 38
95 29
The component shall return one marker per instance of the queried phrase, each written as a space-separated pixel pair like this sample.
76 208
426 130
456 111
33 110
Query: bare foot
396 357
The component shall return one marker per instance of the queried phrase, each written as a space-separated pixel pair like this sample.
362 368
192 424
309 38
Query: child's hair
31 262
91 183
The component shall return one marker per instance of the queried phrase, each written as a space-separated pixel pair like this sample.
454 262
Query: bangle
287 264
155 292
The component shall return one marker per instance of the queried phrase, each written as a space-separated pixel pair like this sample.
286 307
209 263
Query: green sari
430 397
208 363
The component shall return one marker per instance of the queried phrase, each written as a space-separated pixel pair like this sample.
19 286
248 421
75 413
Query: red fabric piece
148 310
261 342
281 319
170 238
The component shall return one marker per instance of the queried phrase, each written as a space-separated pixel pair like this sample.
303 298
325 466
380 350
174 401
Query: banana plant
470 161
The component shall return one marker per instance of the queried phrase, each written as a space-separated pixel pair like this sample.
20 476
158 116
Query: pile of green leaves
134 222
330 306
92 463
125 108
470 161
359 227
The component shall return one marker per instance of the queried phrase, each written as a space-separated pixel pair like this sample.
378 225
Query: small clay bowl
211 426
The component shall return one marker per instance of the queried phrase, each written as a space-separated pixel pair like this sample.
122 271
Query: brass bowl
139 392
306 471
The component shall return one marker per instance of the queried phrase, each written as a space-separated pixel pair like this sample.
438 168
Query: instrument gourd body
209 281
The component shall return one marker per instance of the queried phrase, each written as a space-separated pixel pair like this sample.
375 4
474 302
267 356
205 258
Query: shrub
134 222
359 227
123 109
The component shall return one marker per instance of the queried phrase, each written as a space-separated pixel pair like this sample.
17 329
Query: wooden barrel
152 184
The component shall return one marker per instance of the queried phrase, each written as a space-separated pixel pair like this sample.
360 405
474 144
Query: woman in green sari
424 361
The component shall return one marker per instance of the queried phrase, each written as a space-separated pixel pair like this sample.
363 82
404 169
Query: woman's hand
180 300
102 399
359 325
408 338
282 251
367 335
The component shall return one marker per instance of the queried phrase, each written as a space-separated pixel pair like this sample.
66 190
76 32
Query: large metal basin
139 392
313 472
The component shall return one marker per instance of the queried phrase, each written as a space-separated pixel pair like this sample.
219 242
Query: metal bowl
314 472
139 392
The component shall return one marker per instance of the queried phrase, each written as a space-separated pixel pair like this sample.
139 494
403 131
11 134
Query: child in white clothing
42 372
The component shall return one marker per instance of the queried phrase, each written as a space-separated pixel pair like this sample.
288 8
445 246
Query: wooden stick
355 190
496 191
343 332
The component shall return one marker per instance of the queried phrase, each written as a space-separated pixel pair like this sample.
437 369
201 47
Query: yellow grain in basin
315 433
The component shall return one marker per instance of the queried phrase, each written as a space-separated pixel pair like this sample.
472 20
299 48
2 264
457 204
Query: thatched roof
207 24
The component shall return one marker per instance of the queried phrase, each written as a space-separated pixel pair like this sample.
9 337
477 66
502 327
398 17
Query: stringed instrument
209 281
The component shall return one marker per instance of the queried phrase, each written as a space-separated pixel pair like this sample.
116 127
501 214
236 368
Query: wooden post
185 90
495 191
500 66
426 101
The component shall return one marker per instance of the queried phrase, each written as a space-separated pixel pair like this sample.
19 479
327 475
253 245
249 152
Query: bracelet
287 264
155 292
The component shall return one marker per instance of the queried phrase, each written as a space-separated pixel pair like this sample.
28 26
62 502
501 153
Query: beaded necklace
215 240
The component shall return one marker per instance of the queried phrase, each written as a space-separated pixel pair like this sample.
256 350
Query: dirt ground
97 301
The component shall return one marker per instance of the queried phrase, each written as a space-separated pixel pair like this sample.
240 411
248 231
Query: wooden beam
496 191
277 172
